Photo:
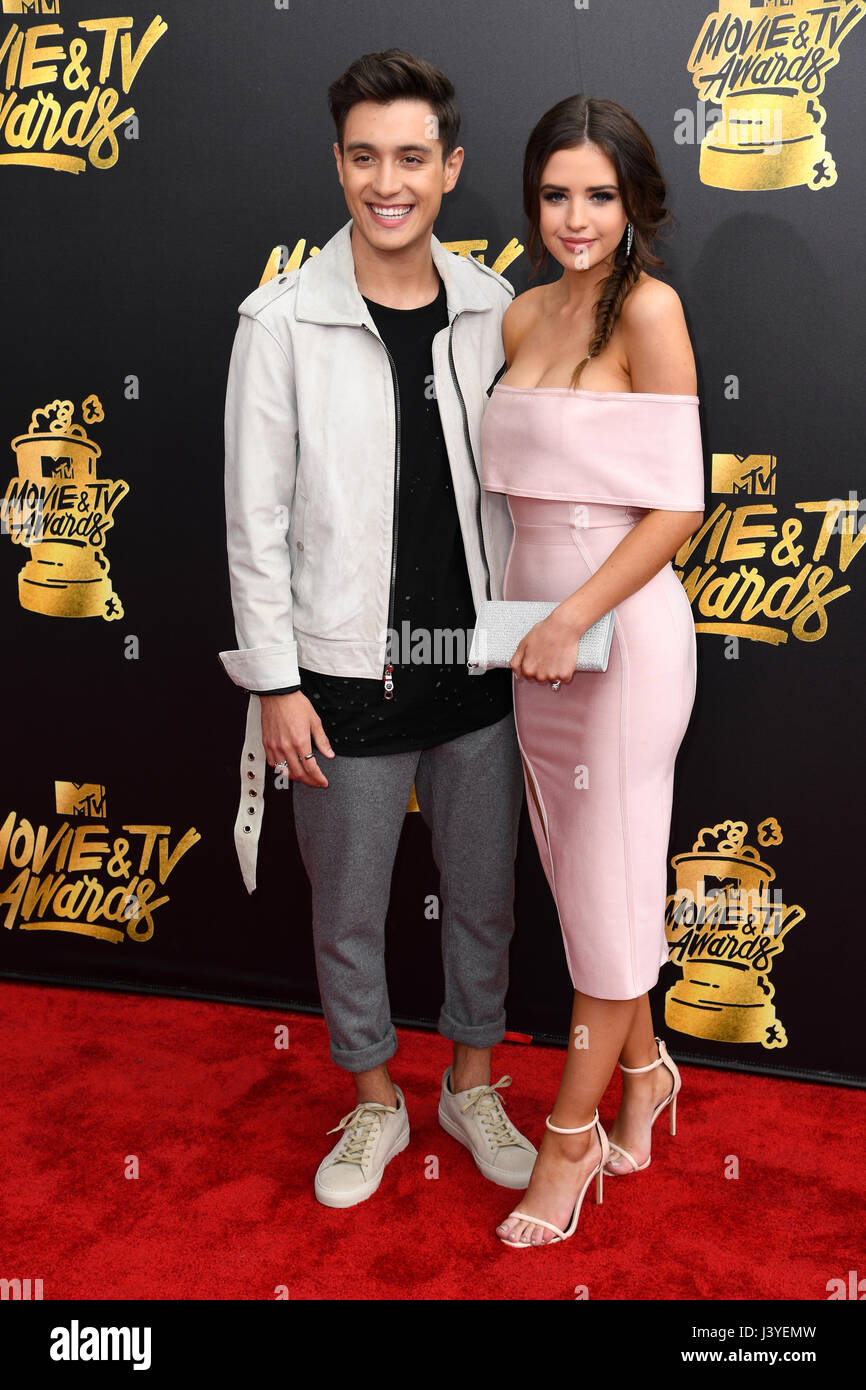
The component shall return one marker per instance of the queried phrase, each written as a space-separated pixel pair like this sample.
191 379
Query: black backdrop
121 283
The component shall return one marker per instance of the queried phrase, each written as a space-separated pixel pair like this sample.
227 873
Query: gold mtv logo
31 6
753 474
80 799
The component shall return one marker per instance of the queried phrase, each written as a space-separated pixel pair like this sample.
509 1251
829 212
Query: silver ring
308 755
555 685
277 766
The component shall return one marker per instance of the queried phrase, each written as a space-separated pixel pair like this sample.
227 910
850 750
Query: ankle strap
580 1129
652 1065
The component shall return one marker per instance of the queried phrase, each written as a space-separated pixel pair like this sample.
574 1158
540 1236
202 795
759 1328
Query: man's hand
290 729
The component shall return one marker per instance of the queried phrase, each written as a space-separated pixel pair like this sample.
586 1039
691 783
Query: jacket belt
248 822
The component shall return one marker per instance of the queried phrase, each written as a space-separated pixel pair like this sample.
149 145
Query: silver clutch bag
501 626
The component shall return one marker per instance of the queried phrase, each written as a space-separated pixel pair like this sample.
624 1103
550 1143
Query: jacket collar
328 291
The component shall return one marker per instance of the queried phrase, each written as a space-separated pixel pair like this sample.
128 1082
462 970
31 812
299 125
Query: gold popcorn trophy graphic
764 63
725 929
61 510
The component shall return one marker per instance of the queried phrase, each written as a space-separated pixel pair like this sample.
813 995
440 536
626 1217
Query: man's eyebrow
402 149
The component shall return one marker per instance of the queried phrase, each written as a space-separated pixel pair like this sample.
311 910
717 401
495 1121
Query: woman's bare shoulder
656 339
651 304
519 317
526 305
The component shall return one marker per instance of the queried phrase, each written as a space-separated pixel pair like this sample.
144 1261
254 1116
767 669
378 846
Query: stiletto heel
663 1060
596 1173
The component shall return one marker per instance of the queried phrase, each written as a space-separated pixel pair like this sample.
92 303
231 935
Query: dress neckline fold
598 395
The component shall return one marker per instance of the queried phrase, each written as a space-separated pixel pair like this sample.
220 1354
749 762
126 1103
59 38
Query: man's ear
339 158
453 165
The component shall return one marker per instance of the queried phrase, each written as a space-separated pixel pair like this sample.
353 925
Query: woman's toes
513 1229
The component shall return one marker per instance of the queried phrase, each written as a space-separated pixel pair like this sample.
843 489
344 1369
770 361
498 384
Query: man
354 513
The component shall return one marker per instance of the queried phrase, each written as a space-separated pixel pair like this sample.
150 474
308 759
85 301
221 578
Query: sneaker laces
361 1126
489 1112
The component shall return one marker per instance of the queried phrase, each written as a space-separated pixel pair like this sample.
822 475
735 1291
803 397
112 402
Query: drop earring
629 241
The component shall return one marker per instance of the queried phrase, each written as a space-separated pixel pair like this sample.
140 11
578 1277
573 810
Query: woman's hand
548 652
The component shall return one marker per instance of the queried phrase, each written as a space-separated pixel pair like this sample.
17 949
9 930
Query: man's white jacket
312 475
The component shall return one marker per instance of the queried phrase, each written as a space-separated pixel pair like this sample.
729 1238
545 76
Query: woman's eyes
554 197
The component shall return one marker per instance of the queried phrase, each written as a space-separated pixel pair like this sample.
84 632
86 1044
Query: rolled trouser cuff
479 1035
365 1058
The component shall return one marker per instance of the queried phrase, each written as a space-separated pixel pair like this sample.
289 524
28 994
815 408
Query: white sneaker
353 1169
477 1119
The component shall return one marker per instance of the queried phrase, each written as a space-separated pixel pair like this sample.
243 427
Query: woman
602 465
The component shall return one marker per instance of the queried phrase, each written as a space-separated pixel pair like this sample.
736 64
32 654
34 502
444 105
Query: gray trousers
469 791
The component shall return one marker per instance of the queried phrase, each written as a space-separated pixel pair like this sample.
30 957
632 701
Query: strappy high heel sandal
663 1060
596 1173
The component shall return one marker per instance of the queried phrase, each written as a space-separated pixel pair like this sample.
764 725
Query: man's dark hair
391 76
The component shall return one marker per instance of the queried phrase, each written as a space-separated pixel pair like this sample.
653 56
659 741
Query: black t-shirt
434 698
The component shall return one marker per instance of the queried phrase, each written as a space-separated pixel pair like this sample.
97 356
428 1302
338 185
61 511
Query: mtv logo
718 887
80 799
750 474
57 468
31 6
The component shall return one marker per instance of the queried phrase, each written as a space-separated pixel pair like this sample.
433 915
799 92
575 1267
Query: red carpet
228 1132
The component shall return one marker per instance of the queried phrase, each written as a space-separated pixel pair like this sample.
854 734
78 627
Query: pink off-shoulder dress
580 469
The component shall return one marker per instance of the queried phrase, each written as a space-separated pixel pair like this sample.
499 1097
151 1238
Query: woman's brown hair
580 120
389 76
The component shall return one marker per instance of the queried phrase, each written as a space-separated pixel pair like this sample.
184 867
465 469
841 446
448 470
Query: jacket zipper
471 455
388 671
